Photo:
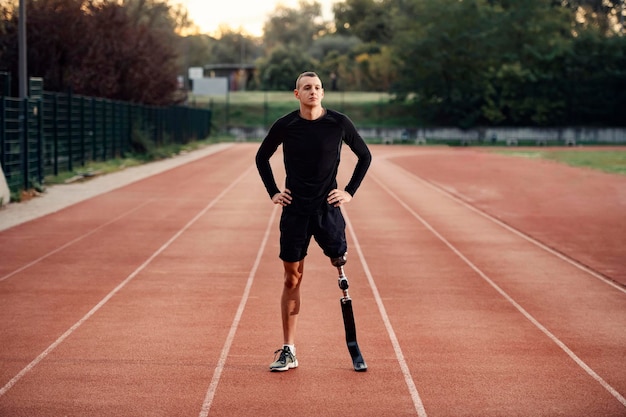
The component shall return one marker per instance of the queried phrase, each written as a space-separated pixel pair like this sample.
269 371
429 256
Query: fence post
70 153
55 133
125 129
24 131
40 144
82 131
113 128
104 130
92 131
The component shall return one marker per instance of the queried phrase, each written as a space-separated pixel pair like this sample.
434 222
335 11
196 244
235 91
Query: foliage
444 47
296 27
595 72
196 50
118 50
369 20
601 15
334 43
233 47
281 68
512 63
456 62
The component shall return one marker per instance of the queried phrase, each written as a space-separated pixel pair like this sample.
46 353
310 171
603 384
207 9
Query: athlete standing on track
311 138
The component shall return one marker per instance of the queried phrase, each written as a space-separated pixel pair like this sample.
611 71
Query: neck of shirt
312 114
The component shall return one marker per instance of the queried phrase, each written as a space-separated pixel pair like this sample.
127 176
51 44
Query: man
311 138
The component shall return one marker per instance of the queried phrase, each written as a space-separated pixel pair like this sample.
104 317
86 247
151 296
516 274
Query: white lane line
406 372
102 302
71 242
219 368
528 238
525 313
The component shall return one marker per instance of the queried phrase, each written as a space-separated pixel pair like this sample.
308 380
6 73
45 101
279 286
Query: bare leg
290 300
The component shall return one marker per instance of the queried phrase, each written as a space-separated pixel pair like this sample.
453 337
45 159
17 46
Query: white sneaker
286 360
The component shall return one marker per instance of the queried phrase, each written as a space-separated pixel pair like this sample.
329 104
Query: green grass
610 160
93 168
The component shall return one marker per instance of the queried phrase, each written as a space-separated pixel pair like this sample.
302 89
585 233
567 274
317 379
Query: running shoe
286 360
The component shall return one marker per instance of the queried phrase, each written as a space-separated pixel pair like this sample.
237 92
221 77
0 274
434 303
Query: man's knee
339 261
291 282
293 274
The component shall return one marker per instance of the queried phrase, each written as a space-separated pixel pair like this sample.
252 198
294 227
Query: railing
60 132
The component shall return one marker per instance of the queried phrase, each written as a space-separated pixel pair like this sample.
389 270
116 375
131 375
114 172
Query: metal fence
57 132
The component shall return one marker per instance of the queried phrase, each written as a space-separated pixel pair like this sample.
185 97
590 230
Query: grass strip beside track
610 160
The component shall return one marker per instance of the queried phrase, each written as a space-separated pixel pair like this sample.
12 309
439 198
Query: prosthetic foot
348 317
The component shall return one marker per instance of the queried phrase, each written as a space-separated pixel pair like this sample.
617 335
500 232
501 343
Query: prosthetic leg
348 317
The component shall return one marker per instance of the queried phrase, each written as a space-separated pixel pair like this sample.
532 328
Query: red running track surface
483 285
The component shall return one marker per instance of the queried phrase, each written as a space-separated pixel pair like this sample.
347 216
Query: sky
249 15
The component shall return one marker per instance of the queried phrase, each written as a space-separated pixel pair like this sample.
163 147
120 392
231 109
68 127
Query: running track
483 285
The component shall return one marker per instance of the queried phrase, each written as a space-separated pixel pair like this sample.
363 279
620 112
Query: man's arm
266 150
360 149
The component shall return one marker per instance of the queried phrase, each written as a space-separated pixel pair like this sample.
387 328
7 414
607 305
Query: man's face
310 91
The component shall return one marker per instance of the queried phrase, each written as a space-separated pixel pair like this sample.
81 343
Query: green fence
53 132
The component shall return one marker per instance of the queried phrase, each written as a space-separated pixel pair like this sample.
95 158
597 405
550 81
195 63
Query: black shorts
328 228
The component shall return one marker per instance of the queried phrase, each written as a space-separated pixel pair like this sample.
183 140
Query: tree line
457 62
123 50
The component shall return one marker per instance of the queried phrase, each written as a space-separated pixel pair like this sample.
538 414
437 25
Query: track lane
587 304
154 332
454 222
154 347
42 239
577 211
324 383
46 298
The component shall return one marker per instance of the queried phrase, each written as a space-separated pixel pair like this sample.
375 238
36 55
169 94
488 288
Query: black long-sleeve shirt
311 153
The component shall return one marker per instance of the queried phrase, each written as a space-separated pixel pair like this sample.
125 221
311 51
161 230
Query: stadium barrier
48 133
505 136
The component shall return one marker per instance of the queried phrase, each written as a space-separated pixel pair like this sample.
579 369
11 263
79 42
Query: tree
54 50
475 62
124 51
233 47
369 20
607 16
279 70
444 48
196 50
595 72
524 83
341 44
294 27
132 56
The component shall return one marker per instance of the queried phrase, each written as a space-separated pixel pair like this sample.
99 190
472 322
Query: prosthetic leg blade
348 321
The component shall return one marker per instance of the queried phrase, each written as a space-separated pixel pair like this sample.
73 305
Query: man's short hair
305 74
